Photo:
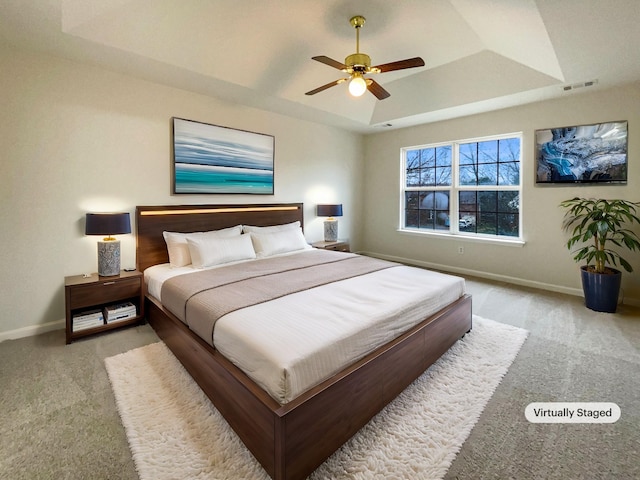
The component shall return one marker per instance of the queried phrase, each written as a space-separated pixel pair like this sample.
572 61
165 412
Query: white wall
77 139
544 261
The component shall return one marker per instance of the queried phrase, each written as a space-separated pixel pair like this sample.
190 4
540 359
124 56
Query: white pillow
272 228
210 251
178 248
282 241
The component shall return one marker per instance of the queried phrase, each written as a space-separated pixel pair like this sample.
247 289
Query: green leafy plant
598 223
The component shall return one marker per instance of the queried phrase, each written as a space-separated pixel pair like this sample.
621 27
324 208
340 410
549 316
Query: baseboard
55 325
491 276
32 330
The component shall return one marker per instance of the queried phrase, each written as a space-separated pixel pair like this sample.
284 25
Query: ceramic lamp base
109 258
330 230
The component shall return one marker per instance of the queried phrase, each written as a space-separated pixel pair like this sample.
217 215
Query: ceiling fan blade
328 85
375 88
330 61
400 65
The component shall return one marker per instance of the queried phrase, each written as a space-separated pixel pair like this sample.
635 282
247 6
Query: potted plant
598 224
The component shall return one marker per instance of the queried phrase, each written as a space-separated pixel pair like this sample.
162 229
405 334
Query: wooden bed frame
290 441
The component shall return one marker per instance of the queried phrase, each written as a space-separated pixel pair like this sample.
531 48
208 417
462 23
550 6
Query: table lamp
108 248
330 224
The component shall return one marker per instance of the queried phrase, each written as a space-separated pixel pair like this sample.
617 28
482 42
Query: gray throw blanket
199 299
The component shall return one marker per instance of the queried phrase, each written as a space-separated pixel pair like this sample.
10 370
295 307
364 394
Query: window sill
488 239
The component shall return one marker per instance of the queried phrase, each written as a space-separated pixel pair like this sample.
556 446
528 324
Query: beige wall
76 139
544 260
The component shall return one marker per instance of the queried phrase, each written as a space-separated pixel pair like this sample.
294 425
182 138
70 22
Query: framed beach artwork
213 159
594 153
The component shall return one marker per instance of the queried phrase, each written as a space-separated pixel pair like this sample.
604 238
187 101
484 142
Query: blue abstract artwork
213 159
582 154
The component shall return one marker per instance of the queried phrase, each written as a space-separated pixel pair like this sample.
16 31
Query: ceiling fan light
357 86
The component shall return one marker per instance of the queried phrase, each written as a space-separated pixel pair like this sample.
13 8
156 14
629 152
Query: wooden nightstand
339 246
84 295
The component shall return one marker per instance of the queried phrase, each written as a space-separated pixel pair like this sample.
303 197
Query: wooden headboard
151 221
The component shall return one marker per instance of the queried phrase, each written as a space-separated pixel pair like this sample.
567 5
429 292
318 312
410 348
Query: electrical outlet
461 250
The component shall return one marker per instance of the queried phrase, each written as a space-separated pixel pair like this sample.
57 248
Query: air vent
575 86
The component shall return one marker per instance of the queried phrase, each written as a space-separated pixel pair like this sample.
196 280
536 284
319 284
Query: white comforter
290 344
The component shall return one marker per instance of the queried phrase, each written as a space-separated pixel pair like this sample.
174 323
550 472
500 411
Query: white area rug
175 432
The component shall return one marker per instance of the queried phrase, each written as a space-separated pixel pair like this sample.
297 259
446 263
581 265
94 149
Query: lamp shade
107 224
329 210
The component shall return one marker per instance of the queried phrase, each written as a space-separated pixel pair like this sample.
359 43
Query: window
476 182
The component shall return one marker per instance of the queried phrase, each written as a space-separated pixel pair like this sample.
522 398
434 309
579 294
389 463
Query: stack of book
88 319
119 312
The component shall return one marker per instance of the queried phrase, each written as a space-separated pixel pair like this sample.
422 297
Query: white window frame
455 188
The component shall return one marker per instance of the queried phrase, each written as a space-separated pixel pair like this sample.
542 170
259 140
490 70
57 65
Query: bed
289 439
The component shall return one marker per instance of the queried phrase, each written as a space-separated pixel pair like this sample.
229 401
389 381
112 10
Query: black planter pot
601 289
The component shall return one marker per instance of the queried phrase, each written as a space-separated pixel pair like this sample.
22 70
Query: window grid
484 195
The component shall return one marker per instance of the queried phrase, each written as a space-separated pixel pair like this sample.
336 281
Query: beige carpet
175 432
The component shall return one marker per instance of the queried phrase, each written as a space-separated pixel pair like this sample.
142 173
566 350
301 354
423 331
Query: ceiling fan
357 65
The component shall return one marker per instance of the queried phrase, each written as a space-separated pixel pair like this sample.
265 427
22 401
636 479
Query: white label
572 412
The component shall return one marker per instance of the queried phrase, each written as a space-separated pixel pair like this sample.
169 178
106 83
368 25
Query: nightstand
339 246
87 296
